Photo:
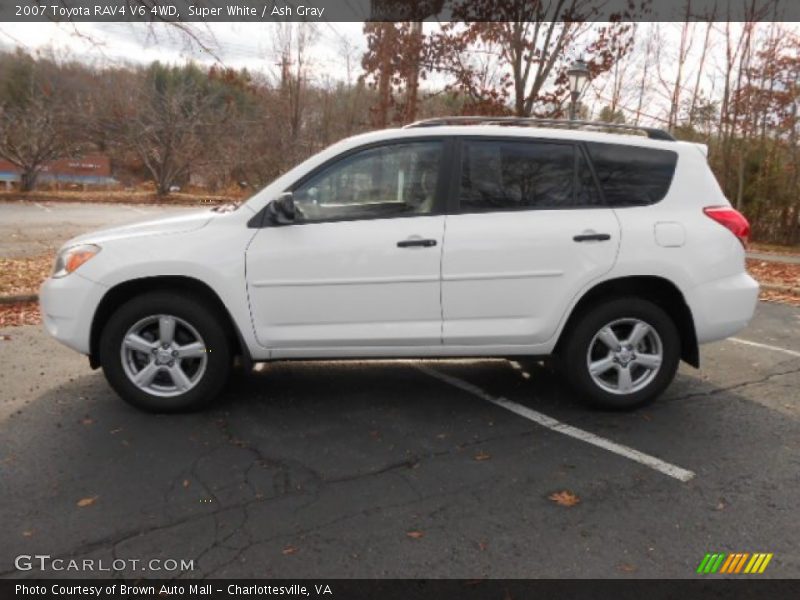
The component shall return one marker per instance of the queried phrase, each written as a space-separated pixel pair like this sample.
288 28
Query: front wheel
165 352
622 354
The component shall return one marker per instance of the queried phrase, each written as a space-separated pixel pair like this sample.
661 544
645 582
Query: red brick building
91 169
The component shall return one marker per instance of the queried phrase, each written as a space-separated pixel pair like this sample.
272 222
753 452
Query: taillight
732 219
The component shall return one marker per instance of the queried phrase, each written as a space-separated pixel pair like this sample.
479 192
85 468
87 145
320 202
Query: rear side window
630 175
517 175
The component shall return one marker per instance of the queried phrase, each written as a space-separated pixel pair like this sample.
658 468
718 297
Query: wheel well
123 292
657 290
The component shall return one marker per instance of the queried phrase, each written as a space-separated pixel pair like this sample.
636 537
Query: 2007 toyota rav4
617 253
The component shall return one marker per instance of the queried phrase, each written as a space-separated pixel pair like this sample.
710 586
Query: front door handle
416 243
592 237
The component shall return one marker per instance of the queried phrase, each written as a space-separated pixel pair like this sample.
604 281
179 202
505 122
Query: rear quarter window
630 175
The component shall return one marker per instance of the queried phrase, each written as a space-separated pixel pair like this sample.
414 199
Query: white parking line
766 347
138 210
574 432
43 207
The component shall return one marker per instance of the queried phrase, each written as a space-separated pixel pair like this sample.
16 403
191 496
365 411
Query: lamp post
578 75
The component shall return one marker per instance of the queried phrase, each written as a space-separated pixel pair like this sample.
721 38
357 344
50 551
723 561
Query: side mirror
281 211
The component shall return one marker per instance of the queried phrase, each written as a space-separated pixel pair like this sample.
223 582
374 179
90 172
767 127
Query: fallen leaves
626 568
84 502
22 276
774 272
185 483
143 195
20 313
777 296
481 456
415 535
786 275
564 498
289 550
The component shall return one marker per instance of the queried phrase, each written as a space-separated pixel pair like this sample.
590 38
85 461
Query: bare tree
696 92
643 82
292 44
528 42
170 117
36 117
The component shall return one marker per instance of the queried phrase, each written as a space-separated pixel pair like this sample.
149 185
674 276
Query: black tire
622 312
208 382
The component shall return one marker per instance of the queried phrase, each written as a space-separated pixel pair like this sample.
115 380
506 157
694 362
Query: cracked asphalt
322 469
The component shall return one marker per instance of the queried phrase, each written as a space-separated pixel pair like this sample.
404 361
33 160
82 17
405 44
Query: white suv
617 253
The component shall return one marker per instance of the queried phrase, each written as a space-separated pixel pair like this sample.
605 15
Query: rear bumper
68 305
723 307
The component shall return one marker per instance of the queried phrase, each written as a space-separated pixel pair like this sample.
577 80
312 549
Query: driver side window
394 180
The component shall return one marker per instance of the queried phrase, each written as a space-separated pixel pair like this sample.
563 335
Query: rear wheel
165 352
622 354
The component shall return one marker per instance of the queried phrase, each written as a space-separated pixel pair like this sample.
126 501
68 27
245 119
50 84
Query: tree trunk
27 180
385 76
412 89
740 180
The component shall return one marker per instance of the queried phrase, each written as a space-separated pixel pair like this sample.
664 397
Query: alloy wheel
625 356
163 355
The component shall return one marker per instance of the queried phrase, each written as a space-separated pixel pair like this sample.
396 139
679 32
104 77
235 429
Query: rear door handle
592 237
416 243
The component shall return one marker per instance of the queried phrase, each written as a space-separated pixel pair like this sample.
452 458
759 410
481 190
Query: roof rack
651 132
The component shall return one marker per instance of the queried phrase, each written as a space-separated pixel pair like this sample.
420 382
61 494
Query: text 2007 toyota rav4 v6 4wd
619 254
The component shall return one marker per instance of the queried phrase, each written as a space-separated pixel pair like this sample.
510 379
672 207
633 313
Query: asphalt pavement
405 468
32 228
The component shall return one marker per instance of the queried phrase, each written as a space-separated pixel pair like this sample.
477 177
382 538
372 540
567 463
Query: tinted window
392 180
631 176
509 175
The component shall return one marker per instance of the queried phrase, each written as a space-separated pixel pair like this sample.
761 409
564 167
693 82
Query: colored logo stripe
727 564
734 563
710 563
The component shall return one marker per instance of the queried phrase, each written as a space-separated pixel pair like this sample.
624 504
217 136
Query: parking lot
395 468
407 468
29 228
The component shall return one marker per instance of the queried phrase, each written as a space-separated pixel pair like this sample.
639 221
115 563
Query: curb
777 287
786 259
19 298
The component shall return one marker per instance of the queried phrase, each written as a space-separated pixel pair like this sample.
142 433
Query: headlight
73 257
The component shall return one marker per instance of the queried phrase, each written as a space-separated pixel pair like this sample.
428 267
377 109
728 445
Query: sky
236 45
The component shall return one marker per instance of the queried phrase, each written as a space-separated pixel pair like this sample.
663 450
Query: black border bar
274 11
745 587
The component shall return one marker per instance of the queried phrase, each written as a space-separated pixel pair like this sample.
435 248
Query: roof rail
651 132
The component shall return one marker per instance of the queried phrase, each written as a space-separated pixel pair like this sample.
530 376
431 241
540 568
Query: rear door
529 231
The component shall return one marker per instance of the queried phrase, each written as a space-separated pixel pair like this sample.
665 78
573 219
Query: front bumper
68 305
723 307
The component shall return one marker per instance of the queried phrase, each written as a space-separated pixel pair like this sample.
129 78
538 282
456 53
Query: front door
360 267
